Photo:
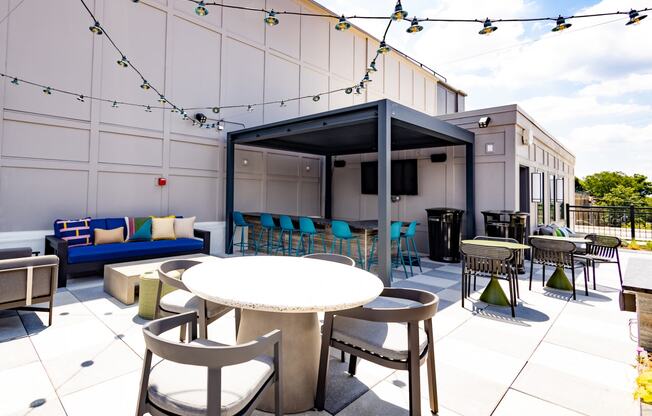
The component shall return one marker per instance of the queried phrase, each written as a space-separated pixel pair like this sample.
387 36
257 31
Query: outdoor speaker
339 163
438 157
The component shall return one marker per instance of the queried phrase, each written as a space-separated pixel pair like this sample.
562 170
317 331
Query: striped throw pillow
75 232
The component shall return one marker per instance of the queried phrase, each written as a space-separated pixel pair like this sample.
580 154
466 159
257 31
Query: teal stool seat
341 233
410 244
268 229
244 226
287 228
395 237
308 231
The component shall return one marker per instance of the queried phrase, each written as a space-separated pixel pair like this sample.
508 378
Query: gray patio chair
602 249
182 300
26 281
519 257
556 253
204 377
336 258
490 262
386 332
15 253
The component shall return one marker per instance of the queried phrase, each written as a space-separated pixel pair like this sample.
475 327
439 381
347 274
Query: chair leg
371 255
231 242
413 369
620 272
182 333
531 272
144 383
242 240
353 364
409 252
50 309
573 277
360 258
416 252
327 331
593 264
203 320
463 285
402 259
238 313
430 366
342 356
585 269
512 298
543 275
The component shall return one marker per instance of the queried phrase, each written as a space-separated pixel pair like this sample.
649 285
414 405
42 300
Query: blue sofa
90 260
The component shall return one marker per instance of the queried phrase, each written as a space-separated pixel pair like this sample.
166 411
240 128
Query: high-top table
559 280
285 293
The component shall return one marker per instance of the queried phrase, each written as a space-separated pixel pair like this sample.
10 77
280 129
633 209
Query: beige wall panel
32 198
310 168
49 45
281 82
459 189
196 84
340 99
284 165
346 192
285 37
317 30
40 141
360 61
419 92
147 47
342 50
245 23
312 83
130 150
214 16
282 196
392 76
310 199
248 196
194 196
194 156
248 161
483 141
431 98
243 81
432 190
121 194
378 84
406 84
489 188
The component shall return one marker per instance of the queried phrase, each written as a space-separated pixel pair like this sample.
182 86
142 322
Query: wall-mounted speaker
438 157
339 163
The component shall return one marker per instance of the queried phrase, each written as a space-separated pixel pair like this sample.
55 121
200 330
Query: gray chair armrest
24 262
14 253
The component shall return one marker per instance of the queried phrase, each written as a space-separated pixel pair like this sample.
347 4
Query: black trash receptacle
445 234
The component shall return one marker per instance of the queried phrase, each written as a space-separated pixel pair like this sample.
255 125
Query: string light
15 81
635 18
383 48
349 90
414 26
220 126
342 24
271 18
201 9
283 104
80 98
250 108
372 67
162 99
123 62
145 85
148 109
216 110
316 98
488 28
96 28
399 13
366 78
47 91
114 105
561 24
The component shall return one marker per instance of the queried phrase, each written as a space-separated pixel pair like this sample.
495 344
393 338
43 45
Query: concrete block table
285 293
638 280
121 279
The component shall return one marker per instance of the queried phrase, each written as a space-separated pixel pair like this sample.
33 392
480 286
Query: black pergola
379 126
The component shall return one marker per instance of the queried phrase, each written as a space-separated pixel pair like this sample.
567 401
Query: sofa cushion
76 232
112 223
122 251
115 235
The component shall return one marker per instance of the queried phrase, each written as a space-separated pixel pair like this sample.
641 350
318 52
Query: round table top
576 240
495 243
283 284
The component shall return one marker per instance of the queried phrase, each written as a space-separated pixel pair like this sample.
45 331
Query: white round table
285 293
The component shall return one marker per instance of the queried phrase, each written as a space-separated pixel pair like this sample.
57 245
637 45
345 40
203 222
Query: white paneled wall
63 158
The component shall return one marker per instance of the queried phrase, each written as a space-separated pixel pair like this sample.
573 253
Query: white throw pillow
184 227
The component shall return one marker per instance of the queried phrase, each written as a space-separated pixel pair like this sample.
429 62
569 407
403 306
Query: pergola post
230 179
384 192
469 229
328 187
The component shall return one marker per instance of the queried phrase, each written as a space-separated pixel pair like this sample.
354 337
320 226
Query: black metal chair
204 377
490 262
602 249
556 253
385 332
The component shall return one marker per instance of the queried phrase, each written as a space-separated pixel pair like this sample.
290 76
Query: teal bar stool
394 236
268 228
308 231
287 228
410 244
341 233
239 222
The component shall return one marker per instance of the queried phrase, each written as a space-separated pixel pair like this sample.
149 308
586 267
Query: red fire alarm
162 181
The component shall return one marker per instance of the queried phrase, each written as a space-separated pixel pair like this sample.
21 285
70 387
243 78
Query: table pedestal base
559 280
494 294
300 362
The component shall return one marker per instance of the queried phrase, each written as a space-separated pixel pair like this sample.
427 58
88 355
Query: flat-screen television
404 177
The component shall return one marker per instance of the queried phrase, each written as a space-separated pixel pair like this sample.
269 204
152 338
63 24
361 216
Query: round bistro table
285 293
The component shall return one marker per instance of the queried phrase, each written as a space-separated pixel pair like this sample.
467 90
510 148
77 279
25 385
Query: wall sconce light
307 168
484 122
489 148
245 162
395 198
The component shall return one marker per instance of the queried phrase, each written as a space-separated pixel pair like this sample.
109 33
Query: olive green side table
148 284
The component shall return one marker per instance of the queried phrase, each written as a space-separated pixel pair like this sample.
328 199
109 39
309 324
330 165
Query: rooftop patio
558 356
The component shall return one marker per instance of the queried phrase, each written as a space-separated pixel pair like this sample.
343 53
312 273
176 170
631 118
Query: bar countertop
323 222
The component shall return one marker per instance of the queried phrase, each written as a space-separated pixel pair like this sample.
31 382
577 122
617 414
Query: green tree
617 188
579 185
622 196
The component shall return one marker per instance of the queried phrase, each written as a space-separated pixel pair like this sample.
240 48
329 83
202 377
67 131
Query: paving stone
515 402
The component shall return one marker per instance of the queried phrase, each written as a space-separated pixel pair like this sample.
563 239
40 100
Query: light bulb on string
487 28
220 126
250 108
414 26
96 28
372 67
162 99
399 13
349 90
342 24
47 91
366 78
145 85
383 48
635 18
271 18
283 104
216 110
80 98
174 110
316 98
201 9
123 62
114 105
15 81
561 24
148 109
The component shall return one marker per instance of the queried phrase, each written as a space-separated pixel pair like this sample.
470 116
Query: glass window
551 199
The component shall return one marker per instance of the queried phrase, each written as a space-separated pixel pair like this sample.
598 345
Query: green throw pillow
144 232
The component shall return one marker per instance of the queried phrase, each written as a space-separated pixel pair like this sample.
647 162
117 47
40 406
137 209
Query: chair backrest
425 307
603 245
336 258
486 260
341 229
14 253
170 272
26 278
395 230
286 223
238 219
487 238
267 221
411 229
306 225
552 252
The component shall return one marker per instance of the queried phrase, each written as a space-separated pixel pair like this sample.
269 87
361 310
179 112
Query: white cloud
632 83
550 109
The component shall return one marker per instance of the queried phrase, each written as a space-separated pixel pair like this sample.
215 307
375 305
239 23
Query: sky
589 86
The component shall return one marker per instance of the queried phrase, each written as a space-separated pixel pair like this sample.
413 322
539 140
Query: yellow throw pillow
115 235
163 229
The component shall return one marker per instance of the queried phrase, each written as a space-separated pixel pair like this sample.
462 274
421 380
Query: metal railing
625 222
